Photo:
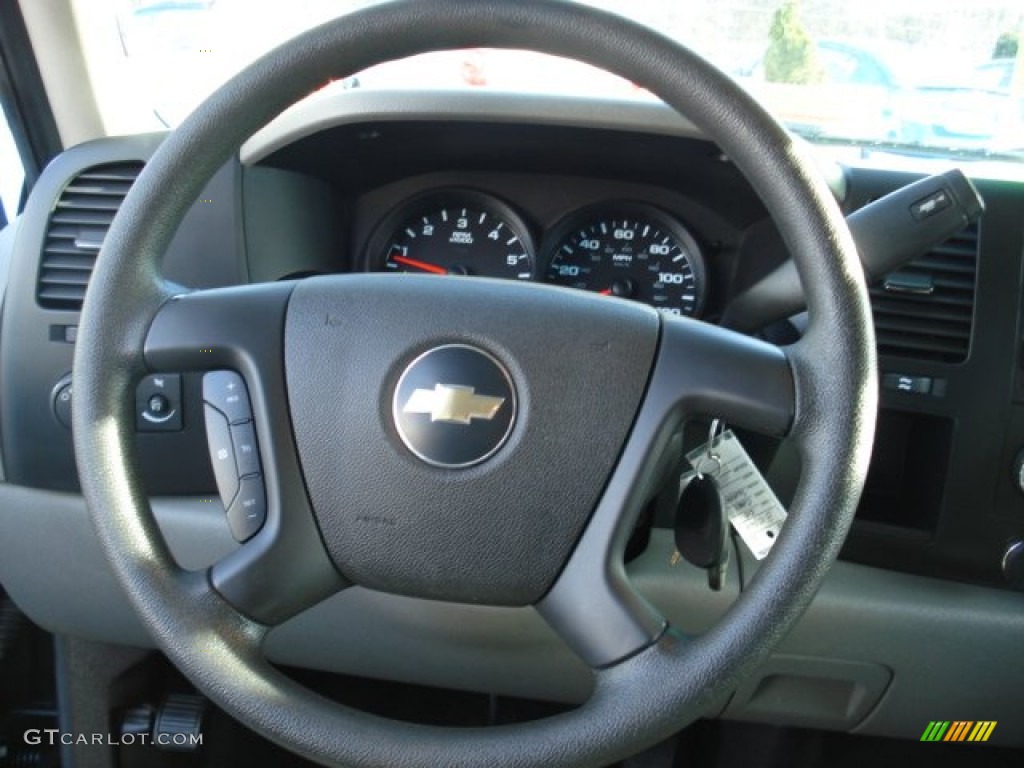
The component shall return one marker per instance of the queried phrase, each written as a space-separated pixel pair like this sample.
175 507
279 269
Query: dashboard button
62 401
225 391
247 455
1013 564
900 382
222 455
248 512
158 403
1018 470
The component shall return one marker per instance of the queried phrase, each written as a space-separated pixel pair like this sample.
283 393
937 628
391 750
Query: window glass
899 73
12 173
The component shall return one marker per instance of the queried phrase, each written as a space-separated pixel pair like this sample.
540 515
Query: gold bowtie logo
453 404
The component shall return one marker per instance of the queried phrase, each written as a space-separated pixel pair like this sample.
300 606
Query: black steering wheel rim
833 369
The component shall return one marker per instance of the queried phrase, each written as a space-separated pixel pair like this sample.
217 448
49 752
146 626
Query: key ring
717 425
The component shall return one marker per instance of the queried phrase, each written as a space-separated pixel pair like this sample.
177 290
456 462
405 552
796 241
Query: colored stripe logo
958 730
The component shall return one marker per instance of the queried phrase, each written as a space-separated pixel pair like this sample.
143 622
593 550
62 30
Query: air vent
925 310
76 230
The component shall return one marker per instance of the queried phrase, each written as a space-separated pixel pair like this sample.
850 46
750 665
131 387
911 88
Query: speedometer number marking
647 256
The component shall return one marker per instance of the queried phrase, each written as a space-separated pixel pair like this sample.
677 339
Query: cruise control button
247 455
222 455
248 512
225 391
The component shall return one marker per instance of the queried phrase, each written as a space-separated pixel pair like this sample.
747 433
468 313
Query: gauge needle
605 292
432 268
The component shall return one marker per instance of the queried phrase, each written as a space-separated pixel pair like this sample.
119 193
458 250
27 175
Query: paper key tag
753 509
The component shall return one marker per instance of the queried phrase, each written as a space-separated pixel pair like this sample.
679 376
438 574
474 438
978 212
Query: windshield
931 75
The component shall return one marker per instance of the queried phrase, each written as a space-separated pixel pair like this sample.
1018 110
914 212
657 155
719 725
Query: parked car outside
975 110
883 95
858 98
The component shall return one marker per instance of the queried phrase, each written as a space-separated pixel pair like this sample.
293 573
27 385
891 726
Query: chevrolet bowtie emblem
451 425
453 404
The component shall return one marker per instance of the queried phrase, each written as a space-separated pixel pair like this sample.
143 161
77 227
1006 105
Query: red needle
432 268
606 292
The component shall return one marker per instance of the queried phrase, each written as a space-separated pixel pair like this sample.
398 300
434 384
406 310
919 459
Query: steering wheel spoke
700 370
282 568
705 370
238 328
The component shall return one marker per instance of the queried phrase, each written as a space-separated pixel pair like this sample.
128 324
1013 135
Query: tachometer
630 250
454 232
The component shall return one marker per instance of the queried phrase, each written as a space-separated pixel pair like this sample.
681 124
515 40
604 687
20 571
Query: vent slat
890 302
90 203
917 311
81 218
68 261
63 247
78 224
964 249
98 189
944 265
63 293
934 326
62 230
77 277
905 326
940 277
919 346
122 172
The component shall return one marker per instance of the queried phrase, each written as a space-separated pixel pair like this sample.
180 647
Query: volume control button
225 391
249 510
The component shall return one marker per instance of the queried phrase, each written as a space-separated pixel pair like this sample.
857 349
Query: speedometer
630 250
454 232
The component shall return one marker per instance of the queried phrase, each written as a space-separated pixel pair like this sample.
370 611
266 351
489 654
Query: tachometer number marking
477 236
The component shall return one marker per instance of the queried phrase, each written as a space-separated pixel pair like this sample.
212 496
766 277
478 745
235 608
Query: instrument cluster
627 249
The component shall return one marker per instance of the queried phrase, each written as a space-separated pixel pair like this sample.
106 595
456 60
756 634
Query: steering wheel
479 441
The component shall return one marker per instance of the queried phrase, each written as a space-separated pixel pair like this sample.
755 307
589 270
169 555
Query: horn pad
456 433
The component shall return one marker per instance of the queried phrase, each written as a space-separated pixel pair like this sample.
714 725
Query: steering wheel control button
454 406
247 455
234 452
225 391
62 401
158 403
222 455
248 511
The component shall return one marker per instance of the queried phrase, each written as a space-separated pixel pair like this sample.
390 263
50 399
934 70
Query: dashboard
630 202
620 248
